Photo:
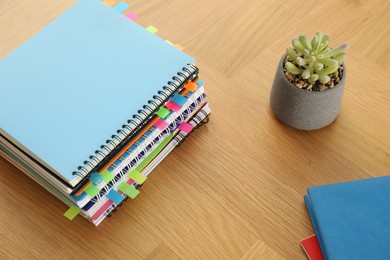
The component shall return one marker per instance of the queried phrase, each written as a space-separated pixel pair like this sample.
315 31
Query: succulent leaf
305 42
306 74
324 79
293 69
290 51
319 66
340 58
338 50
297 45
330 62
319 38
330 69
300 61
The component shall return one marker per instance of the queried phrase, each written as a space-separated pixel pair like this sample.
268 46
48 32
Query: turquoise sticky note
179 99
152 29
92 190
72 212
162 112
137 176
107 176
96 178
128 190
200 83
115 197
121 7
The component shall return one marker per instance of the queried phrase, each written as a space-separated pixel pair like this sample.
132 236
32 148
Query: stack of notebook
91 105
351 220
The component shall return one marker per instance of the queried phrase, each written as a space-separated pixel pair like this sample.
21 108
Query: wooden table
234 190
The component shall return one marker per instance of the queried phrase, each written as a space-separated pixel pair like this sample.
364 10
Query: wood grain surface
234 190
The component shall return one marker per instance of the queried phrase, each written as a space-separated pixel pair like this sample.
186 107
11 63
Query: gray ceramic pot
302 109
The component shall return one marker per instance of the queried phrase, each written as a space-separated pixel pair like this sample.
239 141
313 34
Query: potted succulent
309 83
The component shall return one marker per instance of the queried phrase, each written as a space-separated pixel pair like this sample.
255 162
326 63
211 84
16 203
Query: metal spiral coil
179 79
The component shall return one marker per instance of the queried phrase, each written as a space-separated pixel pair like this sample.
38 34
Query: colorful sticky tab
121 7
132 16
72 212
128 190
160 124
172 106
109 2
179 100
92 190
179 47
191 86
162 112
102 210
115 197
200 83
152 29
107 176
96 178
185 127
169 42
137 176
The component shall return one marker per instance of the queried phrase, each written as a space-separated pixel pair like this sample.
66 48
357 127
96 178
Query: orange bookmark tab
179 47
72 212
191 86
109 2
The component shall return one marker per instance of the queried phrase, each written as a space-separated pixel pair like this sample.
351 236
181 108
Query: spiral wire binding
132 124
195 120
133 163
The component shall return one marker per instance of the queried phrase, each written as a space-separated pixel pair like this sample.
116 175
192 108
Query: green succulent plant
314 60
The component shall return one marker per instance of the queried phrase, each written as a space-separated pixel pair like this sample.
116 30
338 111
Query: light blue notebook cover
70 87
352 219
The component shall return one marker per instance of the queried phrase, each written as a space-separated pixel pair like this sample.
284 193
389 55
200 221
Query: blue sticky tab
115 196
200 83
121 7
179 100
96 178
125 155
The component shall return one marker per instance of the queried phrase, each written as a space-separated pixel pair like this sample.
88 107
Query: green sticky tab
152 29
107 176
72 212
128 190
92 190
137 176
169 42
162 112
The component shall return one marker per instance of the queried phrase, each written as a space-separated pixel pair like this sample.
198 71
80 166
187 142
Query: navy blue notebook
352 219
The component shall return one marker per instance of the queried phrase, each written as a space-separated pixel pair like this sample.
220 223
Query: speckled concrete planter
302 109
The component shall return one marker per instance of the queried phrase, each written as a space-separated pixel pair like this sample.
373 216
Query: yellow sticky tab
107 176
152 29
137 176
72 212
109 2
169 42
128 190
92 190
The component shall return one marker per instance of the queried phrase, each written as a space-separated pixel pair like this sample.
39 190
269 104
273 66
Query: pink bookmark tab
172 106
161 124
132 16
102 210
185 127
